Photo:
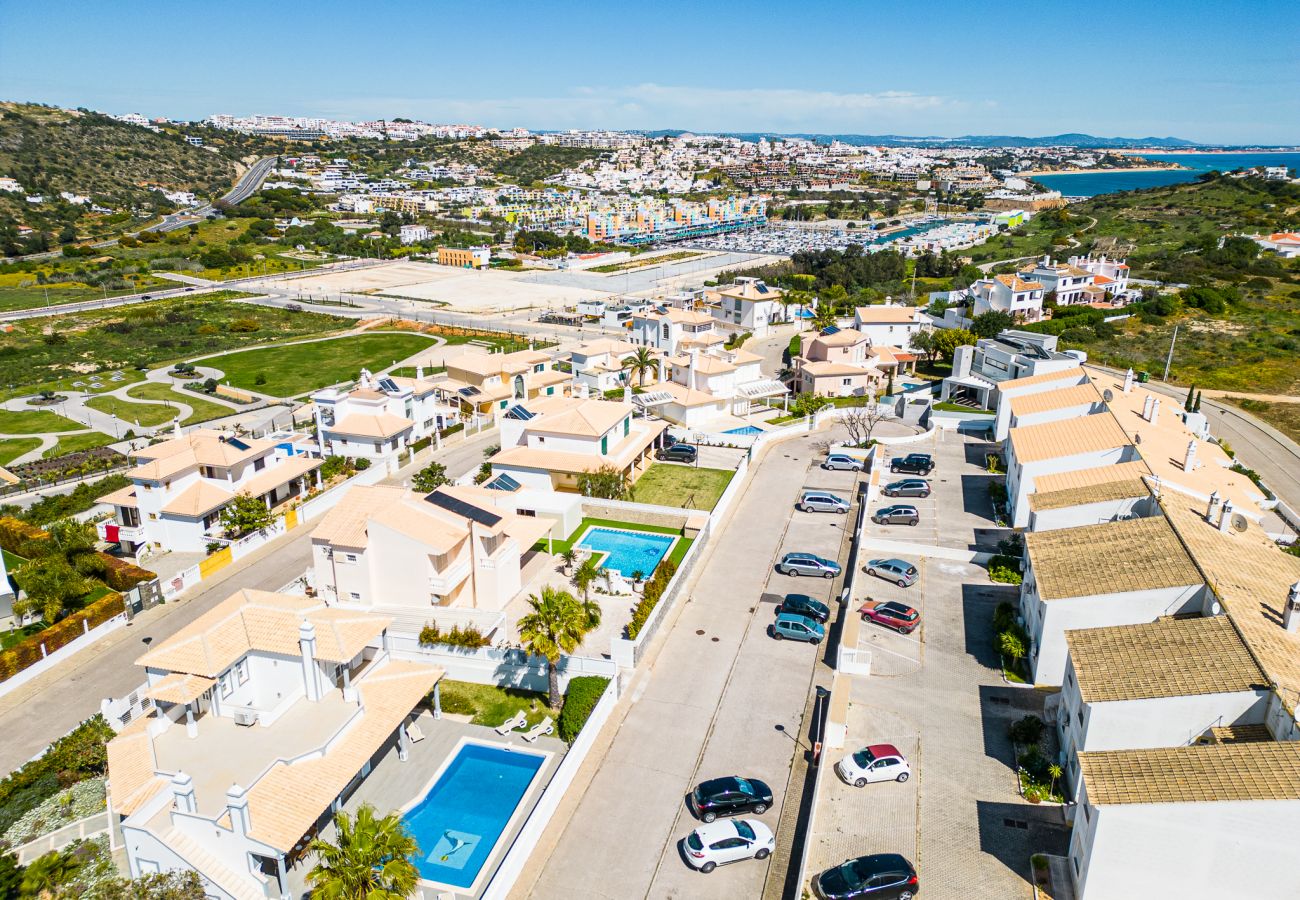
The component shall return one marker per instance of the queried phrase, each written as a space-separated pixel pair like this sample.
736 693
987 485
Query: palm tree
1054 771
586 573
45 876
370 861
824 316
557 624
640 363
570 558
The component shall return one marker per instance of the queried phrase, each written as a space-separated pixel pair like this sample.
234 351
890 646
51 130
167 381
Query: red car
897 616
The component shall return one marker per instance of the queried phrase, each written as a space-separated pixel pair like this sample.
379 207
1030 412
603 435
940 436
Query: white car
878 762
727 841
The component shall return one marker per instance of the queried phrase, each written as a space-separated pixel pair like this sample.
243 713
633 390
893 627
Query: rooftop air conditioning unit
245 717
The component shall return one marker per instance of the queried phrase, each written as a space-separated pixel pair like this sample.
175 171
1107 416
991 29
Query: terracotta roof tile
1264 770
1110 558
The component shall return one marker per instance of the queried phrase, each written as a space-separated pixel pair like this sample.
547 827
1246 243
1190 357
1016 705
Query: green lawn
685 486
490 705
289 370
146 414
21 292
74 442
18 635
34 421
203 409
12 448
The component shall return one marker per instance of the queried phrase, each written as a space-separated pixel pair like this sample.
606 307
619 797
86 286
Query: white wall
1089 513
1191 851
1020 476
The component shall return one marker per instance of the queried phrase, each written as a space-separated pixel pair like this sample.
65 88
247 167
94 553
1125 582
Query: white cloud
652 106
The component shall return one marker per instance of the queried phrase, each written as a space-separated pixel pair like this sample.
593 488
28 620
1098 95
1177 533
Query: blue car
796 628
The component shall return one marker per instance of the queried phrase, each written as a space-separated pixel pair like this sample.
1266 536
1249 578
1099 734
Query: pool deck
393 784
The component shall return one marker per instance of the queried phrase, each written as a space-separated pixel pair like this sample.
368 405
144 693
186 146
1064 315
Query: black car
803 605
908 487
729 796
678 453
880 876
912 463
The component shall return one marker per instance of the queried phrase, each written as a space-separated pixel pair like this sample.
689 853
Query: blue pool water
461 818
748 429
627 551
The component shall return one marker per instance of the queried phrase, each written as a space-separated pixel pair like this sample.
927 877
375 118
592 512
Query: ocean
1089 184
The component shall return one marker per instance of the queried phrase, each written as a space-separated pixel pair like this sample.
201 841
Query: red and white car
877 762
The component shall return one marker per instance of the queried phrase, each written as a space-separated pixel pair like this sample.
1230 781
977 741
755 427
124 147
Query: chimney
419 373
237 803
1225 517
690 377
1291 613
1213 507
183 792
1128 381
1189 460
1155 410
1155 486
310 675
1146 407
661 370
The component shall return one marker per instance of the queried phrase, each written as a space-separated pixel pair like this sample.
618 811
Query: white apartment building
379 418
1072 284
550 442
180 486
1091 496
413 234
268 711
673 330
890 326
1009 294
390 548
1051 379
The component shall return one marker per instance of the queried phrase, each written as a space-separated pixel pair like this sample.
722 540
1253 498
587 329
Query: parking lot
723 698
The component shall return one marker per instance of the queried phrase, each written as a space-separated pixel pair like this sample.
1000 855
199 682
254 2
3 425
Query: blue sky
1194 69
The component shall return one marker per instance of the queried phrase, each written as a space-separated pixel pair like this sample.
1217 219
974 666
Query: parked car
842 461
807 564
899 514
914 463
803 605
908 487
880 876
892 614
729 796
899 571
678 453
823 501
878 762
710 846
796 628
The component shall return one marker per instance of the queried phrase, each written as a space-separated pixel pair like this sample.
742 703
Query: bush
80 499
581 698
650 595
1028 730
245 326
468 637
76 756
1004 616
121 575
16 534
28 652
1004 575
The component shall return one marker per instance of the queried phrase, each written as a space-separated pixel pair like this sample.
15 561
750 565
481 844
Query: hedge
581 698
654 589
64 631
121 575
15 534
76 756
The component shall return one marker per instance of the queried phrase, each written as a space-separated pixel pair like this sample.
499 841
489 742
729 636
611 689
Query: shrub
1004 575
581 698
206 330
1004 616
1028 730
28 652
654 589
121 575
468 637
16 534
245 326
74 757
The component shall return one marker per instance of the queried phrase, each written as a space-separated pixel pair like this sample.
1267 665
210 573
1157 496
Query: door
882 770
729 849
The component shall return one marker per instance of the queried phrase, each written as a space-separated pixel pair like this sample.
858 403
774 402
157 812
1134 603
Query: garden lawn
491 705
34 421
683 486
297 368
12 448
146 414
203 409
71 443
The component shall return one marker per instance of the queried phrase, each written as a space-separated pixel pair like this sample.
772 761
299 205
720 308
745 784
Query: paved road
52 704
722 698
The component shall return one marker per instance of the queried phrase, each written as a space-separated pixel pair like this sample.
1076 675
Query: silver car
899 514
821 501
843 461
899 571
808 564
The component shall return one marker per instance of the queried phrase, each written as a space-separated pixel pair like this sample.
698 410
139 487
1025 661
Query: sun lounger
518 720
541 728
414 733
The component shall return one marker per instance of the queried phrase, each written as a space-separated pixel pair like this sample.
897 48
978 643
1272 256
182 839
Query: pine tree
1197 407
1191 396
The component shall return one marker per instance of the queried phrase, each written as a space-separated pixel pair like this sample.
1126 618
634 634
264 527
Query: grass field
146 414
19 290
34 421
685 486
490 705
294 369
1285 417
74 442
12 448
203 409
631 264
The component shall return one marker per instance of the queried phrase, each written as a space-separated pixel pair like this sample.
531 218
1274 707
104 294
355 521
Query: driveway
721 698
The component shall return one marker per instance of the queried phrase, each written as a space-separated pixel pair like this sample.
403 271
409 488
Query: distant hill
969 140
49 150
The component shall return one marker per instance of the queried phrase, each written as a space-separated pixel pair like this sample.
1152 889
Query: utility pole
1170 358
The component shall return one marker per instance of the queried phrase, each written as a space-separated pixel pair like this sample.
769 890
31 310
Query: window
352 557
604 445
354 595
1079 715
627 426
259 464
1075 860
541 439
241 670
379 446
227 684
531 513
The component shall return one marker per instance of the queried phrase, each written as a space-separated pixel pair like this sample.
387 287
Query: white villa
699 386
748 305
379 418
890 326
487 383
674 330
837 363
269 710
1012 294
599 364
391 548
1011 358
180 486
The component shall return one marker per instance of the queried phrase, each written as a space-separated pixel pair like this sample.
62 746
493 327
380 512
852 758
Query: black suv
729 796
912 463
678 453
803 605
881 876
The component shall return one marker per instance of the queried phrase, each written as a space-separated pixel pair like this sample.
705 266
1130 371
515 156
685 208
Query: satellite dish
1215 609
1108 395
1239 523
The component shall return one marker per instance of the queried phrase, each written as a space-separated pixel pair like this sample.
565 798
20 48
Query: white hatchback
878 762
728 841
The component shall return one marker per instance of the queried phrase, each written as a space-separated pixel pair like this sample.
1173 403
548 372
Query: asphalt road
54 703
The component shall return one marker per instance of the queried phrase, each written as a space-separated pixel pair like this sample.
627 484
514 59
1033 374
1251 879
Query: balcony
445 582
112 532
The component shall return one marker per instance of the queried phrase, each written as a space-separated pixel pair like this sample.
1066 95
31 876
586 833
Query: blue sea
1089 184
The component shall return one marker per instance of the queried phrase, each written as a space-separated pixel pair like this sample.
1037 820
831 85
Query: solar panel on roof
831 329
503 482
237 443
468 391
388 386
520 413
761 288
461 508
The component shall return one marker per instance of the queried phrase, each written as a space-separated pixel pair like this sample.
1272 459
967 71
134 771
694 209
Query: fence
122 711
504 668
50 659
522 847
62 837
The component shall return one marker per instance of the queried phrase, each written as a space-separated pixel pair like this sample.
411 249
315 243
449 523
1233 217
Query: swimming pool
627 551
748 429
465 812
